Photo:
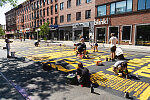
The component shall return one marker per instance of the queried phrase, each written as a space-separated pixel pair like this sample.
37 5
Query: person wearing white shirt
113 41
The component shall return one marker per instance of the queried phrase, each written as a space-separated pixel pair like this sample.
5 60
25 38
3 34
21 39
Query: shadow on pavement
31 76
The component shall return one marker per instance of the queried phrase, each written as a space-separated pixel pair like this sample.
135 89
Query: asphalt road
38 84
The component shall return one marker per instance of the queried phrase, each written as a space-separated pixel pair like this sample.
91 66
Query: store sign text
103 21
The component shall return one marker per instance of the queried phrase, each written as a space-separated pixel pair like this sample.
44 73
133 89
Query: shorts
113 49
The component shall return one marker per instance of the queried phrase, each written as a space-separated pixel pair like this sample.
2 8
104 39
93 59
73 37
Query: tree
2 32
44 30
12 2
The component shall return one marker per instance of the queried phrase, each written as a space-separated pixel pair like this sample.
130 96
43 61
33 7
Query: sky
4 9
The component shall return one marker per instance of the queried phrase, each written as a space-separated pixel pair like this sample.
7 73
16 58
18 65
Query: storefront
128 19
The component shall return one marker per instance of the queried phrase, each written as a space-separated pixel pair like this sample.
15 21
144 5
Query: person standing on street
7 46
113 41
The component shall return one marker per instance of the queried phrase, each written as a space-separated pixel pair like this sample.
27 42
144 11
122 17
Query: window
68 17
41 12
62 19
51 1
87 14
101 10
56 8
129 5
37 4
121 7
47 1
52 20
51 10
143 4
78 16
37 23
31 6
43 2
126 33
112 8
40 3
56 20
78 2
47 20
62 6
34 5
47 11
37 14
41 22
44 12
87 1
34 23
32 15
68 3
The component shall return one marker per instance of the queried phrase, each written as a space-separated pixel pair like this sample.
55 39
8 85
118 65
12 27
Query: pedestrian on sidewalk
113 41
8 46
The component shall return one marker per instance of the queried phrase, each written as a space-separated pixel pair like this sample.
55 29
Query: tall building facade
11 22
128 19
76 18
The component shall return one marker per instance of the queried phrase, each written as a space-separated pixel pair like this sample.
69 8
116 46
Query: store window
78 16
113 30
62 19
143 35
121 7
101 10
62 6
87 14
68 17
101 32
143 4
126 32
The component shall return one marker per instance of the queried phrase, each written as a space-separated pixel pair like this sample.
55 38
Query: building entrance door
101 33
143 35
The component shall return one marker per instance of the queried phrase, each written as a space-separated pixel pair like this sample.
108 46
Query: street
51 85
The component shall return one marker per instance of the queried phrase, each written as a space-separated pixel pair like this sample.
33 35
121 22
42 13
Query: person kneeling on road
83 75
120 68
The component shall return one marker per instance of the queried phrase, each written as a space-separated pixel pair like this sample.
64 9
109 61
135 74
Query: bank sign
103 21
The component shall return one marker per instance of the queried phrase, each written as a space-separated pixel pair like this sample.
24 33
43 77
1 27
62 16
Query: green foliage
44 30
12 2
2 32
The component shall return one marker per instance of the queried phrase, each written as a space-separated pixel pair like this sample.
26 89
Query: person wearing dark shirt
83 75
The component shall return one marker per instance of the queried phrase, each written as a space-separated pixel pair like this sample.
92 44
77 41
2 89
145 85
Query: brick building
23 22
76 18
11 22
44 11
128 19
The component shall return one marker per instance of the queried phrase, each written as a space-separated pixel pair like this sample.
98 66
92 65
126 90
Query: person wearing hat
113 41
